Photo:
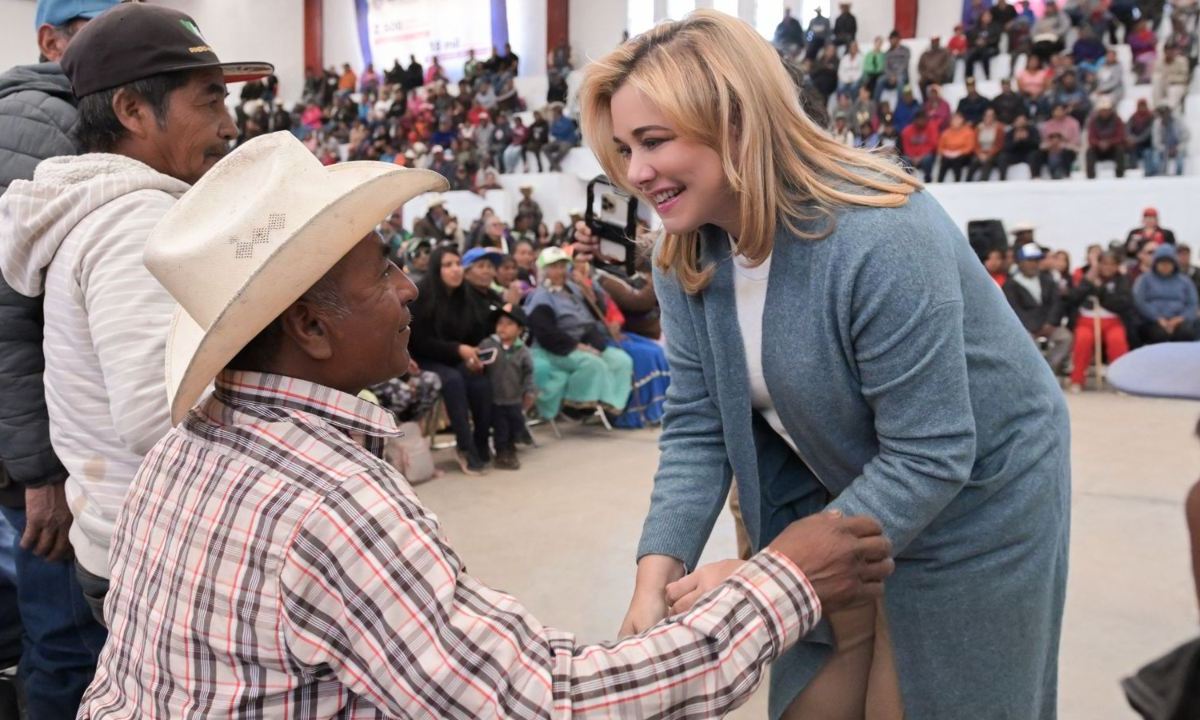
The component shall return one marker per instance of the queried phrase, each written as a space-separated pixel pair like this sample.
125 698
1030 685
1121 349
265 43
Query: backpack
410 454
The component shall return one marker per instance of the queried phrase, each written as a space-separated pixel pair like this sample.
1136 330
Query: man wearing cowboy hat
151 120
529 208
436 222
264 560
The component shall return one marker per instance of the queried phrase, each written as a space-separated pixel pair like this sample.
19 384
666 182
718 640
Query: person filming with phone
451 317
834 342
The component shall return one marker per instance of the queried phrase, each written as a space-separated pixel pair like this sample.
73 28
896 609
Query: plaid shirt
265 565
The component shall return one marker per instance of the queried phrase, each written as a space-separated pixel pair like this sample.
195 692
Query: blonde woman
834 343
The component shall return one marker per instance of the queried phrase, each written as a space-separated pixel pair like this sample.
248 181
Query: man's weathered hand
47 523
844 558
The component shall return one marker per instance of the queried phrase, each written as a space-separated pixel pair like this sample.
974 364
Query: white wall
18 36
875 18
270 30
527 34
340 36
938 17
596 27
1072 214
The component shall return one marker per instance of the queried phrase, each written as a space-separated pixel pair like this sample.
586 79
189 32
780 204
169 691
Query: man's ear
309 329
134 113
52 42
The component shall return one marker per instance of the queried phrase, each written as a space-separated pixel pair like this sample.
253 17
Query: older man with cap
152 120
1105 138
61 639
266 563
1034 297
1150 231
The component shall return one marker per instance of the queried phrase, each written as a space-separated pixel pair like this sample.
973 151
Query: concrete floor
561 536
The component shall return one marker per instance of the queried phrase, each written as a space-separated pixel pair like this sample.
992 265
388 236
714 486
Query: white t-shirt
750 292
1032 284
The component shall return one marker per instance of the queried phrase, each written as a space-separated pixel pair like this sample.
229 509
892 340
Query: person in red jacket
919 142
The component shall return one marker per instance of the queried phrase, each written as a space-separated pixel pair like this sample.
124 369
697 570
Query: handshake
845 559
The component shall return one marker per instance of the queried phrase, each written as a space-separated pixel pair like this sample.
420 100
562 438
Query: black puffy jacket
36 115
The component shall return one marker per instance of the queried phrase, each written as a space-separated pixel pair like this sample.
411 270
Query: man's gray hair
259 354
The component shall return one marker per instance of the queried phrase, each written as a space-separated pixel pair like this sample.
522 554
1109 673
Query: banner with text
392 30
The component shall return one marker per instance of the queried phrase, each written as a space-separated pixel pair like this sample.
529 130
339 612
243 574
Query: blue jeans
886 83
1156 162
62 639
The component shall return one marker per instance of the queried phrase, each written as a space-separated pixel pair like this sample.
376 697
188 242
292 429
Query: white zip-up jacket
76 233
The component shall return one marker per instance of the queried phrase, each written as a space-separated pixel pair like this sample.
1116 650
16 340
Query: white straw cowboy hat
252 236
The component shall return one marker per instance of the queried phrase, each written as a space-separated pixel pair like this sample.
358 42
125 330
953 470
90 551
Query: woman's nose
639 173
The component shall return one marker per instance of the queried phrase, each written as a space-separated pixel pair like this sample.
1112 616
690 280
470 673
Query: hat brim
493 255
362 194
245 72
1166 370
233 72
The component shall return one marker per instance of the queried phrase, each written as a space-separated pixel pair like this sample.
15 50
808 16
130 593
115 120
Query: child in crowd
513 390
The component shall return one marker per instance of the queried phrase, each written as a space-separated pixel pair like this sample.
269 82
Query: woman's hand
645 611
649 603
587 246
470 358
684 592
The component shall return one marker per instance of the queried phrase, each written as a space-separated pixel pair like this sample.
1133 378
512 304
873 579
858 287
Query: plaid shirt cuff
783 596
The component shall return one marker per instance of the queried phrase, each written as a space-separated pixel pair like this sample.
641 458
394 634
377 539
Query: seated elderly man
266 563
577 366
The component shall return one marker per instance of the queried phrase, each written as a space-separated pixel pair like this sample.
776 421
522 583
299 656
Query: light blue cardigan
914 396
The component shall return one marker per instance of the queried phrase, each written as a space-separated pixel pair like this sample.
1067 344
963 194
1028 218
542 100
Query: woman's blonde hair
723 85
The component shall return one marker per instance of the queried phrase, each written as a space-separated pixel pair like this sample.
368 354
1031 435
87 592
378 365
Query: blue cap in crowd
474 255
61 12
1029 251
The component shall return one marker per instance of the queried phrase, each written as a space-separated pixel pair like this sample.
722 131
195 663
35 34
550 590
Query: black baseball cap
512 312
134 41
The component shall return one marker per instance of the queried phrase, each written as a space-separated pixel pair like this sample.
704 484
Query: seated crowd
1137 291
469 131
1059 108
485 290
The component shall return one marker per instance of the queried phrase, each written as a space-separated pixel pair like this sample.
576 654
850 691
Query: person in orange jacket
956 147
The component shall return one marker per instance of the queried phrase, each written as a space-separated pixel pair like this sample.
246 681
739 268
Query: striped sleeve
372 592
128 315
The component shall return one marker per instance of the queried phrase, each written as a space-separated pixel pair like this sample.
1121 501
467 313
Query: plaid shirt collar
279 395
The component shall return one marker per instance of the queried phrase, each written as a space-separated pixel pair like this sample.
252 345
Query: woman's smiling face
682 179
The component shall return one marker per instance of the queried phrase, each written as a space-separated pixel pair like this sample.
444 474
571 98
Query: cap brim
1166 370
233 72
245 72
367 192
492 254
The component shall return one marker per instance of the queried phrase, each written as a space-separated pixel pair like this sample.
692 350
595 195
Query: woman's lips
667 205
